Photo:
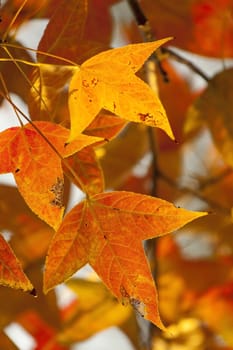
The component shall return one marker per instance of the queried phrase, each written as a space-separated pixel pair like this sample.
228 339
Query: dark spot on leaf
94 81
57 189
17 170
85 83
144 117
33 292
124 292
105 237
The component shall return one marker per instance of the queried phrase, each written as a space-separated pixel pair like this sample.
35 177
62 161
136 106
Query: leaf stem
72 63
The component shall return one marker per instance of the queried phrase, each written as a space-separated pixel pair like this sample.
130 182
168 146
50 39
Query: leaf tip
165 40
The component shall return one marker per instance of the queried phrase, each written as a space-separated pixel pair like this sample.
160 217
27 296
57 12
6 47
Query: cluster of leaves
91 119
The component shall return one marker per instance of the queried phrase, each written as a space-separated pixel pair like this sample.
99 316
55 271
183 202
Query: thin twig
214 179
185 61
145 28
196 193
150 245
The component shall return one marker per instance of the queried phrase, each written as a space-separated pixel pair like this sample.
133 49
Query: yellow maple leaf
108 81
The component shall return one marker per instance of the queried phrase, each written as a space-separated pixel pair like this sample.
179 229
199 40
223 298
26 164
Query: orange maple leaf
107 80
106 231
11 272
35 162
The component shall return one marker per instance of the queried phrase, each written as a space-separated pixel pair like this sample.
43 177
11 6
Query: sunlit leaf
25 153
107 81
107 231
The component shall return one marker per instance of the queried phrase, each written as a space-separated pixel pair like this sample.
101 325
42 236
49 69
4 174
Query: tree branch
186 190
185 61
145 27
150 245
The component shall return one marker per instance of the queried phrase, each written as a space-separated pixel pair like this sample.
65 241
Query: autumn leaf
107 80
201 26
48 82
17 218
28 10
86 165
94 301
182 281
118 157
81 36
11 74
214 18
11 271
99 12
105 125
220 300
43 333
25 153
107 231
71 17
214 106
176 108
